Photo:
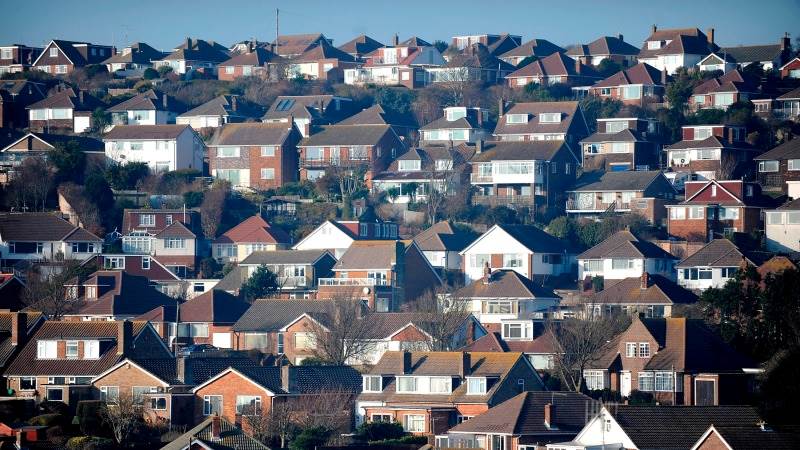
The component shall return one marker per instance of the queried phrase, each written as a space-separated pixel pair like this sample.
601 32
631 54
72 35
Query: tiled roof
535 47
543 343
378 115
144 132
624 244
347 135
140 53
231 437
717 253
519 151
536 239
731 81
151 101
791 205
226 105
128 296
659 291
605 45
284 257
505 283
7 349
442 236
323 50
710 142
641 73
414 41
176 230
794 94
198 50
478 56
267 315
372 254
86 143
362 45
687 40
296 44
37 227
626 135
788 150
442 123
214 306
252 134
428 155
254 230
745 54
755 436
260 56
77 101
557 64
286 105
569 110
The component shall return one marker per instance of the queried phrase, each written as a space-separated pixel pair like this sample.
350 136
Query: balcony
503 200
292 282
333 162
597 206
353 282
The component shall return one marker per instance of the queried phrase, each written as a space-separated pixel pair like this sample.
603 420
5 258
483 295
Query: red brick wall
712 442
409 334
126 377
229 386
238 71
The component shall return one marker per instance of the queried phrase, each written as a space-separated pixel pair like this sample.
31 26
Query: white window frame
644 350
418 419
369 382
207 404
482 385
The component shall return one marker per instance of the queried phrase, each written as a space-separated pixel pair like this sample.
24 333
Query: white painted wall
198 122
326 237
495 240
639 265
81 124
783 237
185 152
716 281
604 431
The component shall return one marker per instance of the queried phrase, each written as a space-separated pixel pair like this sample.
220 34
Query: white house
672 48
783 228
43 236
711 266
623 255
337 235
162 147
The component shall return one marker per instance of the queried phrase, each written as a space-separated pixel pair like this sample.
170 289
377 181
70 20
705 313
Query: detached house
779 168
399 64
474 63
623 144
360 46
17 58
651 296
62 57
38 145
431 392
623 255
323 61
442 243
338 235
133 60
253 234
163 148
15 97
612 48
293 45
537 48
148 108
672 48
255 155
194 55
220 110
713 265
722 92
679 361
308 111
639 192
557 68
542 121
459 124
404 124
171 235
711 151
255 62
769 56
639 85
40 236
66 110
497 44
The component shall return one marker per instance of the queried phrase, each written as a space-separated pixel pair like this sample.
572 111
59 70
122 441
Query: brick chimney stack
710 35
286 378
549 415
216 427
124 337
501 107
786 42
645 280
664 76
466 364
19 328
395 40
487 273
655 28
578 66
620 37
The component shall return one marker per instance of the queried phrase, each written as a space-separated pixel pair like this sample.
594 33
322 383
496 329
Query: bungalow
623 255
612 48
163 148
542 121
639 85
251 235
194 55
713 265
557 68
535 48
779 168
40 236
224 109
148 108
711 152
723 91
769 56
783 227
459 124
133 60
39 145
623 144
62 57
293 45
360 46
66 110
650 296
399 64
672 48
338 235
255 62
791 69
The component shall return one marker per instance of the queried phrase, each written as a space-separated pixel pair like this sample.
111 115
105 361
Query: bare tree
441 186
49 294
455 81
727 166
212 206
30 184
349 180
443 316
123 417
346 338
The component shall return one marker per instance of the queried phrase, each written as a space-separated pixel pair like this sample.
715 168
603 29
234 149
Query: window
280 343
644 350
664 381
228 152
702 133
408 165
593 265
83 247
315 153
630 349
267 151
53 52
723 99
137 146
517 118
358 153
414 423
267 173
91 349
515 331
728 213
440 385
595 379
728 272
372 383
38 114
707 154
677 213
768 166
696 212
704 274
653 45
406 384
646 381
479 260
158 403
622 264
793 164
55 394
620 147
139 392
147 220
72 349
248 405
631 92
304 340
499 307
212 404
447 164
141 115
27 383
46 350
592 149
616 126
512 260
198 329
549 117
793 217
386 418
146 262
476 386
699 100
6 53
229 69
114 262
174 243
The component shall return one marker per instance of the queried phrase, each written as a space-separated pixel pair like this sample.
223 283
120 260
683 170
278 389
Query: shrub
192 199
52 407
310 438
99 443
641 398
416 440
150 74
77 442
378 431
56 435
48 420
87 415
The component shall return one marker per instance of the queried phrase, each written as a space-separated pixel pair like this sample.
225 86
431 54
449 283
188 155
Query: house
639 85
298 271
253 234
791 69
158 274
623 144
713 208
779 168
623 255
255 62
415 174
769 56
557 68
404 124
527 420
12 292
133 60
399 64
349 147
386 274
38 145
713 265
62 57
43 236
215 431
59 360
612 48
194 55
679 47
527 336
497 44
293 45
679 361
742 437
536 48
782 227
475 63
220 110
171 235
442 243
533 174
323 61
723 91
650 427
711 152
542 121
505 295
430 392
65 110
258 156
338 235
163 148
459 124
17 58
526 249
308 111
651 296
148 108
15 97
360 46
209 318
16 329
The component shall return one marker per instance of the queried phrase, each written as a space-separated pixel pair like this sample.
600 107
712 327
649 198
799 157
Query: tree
69 161
349 180
263 283
443 316
87 212
49 294
30 184
212 207
347 337
608 67
123 417
440 45
100 120
310 439
126 176
150 74
680 89
164 70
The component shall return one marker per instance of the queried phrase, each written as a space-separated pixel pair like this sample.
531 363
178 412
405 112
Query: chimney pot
620 37
655 28
479 146
19 328
216 427
395 40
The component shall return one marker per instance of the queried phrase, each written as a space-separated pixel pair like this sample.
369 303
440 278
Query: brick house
350 147
404 124
779 168
791 69
722 91
526 249
171 235
527 420
17 58
220 110
215 431
148 108
430 392
542 121
623 255
308 112
40 236
68 110
713 208
194 55
651 296
62 57
209 318
255 62
459 124
360 46
623 144
399 64
255 155
162 147
253 234
133 59
15 96
639 85
713 265
338 235
38 145
711 152
538 48
678 47
59 361
441 243
612 48
557 68
743 437
323 62
159 275
16 328
293 45
680 361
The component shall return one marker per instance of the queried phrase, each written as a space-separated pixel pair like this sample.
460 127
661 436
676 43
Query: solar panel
285 104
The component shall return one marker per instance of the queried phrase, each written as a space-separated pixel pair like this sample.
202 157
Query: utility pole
277 28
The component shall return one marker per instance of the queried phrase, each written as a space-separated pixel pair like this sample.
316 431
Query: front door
625 384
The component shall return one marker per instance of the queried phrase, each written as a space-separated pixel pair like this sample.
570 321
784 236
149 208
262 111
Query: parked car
196 348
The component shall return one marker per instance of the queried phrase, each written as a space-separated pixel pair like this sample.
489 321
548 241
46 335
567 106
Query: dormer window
616 126
444 164
46 350
702 133
91 291
409 165
476 385
517 118
454 114
653 45
549 117
372 383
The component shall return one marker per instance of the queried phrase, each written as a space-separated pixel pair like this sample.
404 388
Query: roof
478 56
125 295
557 64
619 181
505 283
259 56
543 343
681 41
296 44
7 349
254 229
347 135
641 73
717 253
252 134
378 115
323 50
415 41
37 227
659 291
442 236
149 100
569 110
745 54
794 94
361 45
755 436
231 437
465 123
275 257
788 150
624 244
226 106
535 47
85 143
140 53
214 306
267 315
626 135
523 415
286 105
145 132
369 254
731 81
791 205
198 50
384 325
536 239
176 230
519 151
71 99
604 45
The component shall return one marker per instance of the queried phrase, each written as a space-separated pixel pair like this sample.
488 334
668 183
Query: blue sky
165 23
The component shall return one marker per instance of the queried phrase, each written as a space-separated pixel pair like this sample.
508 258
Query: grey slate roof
619 181
252 134
536 239
37 227
347 135
267 315
717 253
787 150
745 54
224 106
505 283
659 291
141 132
519 151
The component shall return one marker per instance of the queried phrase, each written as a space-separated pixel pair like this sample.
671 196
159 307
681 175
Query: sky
166 23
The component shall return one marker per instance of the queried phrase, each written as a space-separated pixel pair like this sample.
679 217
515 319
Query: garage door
222 340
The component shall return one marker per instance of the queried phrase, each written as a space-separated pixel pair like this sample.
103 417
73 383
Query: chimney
578 66
406 362
184 370
664 76
234 102
487 273
164 100
645 280
479 146
466 365
286 378
188 42
786 42
711 35
501 107
216 427
291 121
470 332
124 337
395 40
80 96
655 28
620 37
19 327
549 415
